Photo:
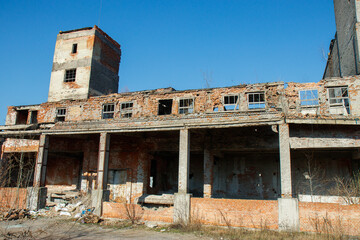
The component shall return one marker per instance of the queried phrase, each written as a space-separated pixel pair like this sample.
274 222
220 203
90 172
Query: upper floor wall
329 98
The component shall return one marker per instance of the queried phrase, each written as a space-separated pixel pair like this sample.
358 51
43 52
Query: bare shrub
324 225
225 218
133 212
348 188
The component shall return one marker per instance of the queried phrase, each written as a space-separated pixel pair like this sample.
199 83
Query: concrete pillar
182 198
36 195
97 195
41 161
2 140
208 170
285 161
288 206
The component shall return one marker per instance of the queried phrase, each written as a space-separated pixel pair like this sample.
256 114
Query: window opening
231 103
339 97
70 75
256 100
126 109
108 111
165 107
60 114
74 48
186 106
22 116
309 97
33 118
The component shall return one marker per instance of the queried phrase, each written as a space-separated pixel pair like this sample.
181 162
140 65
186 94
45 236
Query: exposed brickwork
339 218
239 213
117 210
13 198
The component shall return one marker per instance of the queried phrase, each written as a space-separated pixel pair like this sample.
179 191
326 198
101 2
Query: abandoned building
248 154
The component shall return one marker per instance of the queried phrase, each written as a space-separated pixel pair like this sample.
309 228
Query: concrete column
208 171
97 195
288 206
36 196
2 140
285 161
182 198
41 161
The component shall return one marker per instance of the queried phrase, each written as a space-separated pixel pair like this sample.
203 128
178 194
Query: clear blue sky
169 42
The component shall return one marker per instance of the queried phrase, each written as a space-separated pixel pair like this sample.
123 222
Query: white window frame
309 100
107 112
127 111
232 106
186 109
340 101
260 103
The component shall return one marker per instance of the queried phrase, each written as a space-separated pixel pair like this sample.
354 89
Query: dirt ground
62 228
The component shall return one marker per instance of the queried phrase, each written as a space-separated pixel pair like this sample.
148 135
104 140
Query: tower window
60 114
74 48
70 75
108 111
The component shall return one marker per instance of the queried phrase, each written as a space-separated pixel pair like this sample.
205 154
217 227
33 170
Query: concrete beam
285 161
325 142
41 161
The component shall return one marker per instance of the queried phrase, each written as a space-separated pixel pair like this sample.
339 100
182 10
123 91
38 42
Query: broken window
22 116
231 103
74 48
309 98
70 75
108 111
186 106
165 107
339 98
33 117
60 114
126 109
256 100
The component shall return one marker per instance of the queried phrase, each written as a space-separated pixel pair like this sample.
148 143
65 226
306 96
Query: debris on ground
90 217
14 214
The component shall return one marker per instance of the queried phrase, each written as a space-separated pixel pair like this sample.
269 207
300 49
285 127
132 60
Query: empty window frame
339 97
165 107
126 109
74 48
33 117
256 100
186 105
60 114
231 102
22 116
309 98
70 75
108 110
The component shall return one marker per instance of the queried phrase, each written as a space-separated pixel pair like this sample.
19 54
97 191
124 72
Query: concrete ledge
289 214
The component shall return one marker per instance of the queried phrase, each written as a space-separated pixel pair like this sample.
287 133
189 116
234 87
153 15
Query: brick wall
13 197
117 210
239 213
330 217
